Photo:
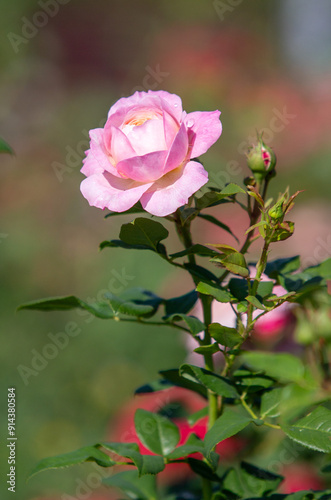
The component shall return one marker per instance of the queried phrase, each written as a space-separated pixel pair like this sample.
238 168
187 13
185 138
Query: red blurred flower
175 403
300 477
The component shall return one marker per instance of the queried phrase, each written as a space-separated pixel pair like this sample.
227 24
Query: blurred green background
265 65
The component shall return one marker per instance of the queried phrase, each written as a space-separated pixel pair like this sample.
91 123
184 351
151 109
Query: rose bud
261 160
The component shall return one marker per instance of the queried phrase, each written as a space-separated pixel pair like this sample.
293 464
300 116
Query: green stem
247 408
207 490
254 214
261 265
154 323
209 362
184 232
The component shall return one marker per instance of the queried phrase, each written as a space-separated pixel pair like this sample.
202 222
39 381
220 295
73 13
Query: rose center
140 119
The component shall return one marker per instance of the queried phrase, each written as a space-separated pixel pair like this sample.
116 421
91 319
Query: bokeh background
265 65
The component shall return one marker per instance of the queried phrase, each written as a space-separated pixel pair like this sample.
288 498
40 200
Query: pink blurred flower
268 328
145 151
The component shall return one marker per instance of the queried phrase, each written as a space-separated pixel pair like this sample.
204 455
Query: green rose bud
261 160
277 212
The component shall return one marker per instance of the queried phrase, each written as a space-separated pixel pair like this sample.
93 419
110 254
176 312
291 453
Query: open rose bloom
144 152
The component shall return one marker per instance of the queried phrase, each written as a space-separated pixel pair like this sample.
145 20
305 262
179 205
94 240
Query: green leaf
228 424
194 324
262 224
192 445
255 302
146 464
207 349
253 192
198 415
301 283
187 214
270 402
326 468
5 148
215 291
283 231
137 488
144 232
253 382
159 434
248 480
321 270
282 266
175 378
122 306
141 296
120 244
155 386
216 222
296 398
212 198
282 366
193 250
136 209
229 337
182 304
304 495
202 469
212 381
312 431
200 272
239 288
86 454
98 309
232 189
235 263
222 248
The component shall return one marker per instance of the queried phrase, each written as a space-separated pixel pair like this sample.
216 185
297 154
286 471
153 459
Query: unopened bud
276 212
261 160
249 181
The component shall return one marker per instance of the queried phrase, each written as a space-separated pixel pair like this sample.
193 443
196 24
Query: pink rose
144 153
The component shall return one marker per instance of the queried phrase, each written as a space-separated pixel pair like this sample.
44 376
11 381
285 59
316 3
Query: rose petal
145 168
117 144
138 100
148 137
178 150
172 103
207 128
174 189
107 191
97 159
171 128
